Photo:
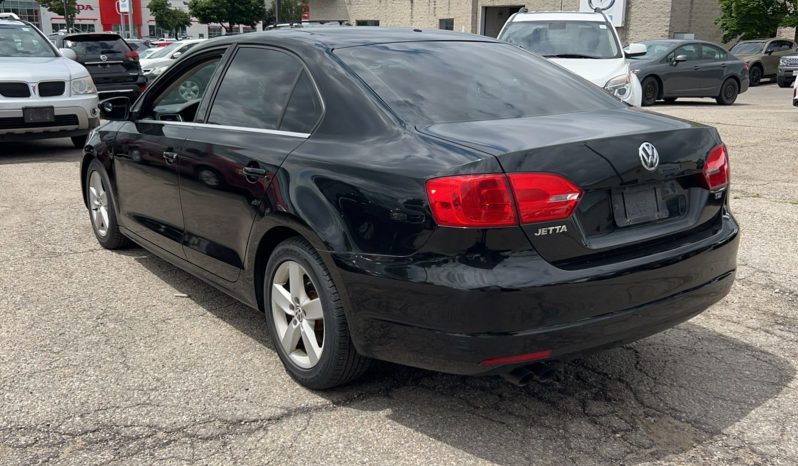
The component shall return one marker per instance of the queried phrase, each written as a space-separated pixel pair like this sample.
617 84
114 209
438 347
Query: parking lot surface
121 357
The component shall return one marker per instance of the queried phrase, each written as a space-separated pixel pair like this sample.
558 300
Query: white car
43 93
795 93
161 60
586 44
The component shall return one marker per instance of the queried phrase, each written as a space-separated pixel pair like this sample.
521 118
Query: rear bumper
75 116
434 320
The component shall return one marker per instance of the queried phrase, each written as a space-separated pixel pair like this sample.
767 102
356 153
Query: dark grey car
680 68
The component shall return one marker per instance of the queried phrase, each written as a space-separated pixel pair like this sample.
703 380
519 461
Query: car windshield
655 50
563 39
166 51
444 82
148 53
23 41
95 45
747 47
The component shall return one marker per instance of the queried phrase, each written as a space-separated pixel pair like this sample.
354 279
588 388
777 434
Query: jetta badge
104 57
649 157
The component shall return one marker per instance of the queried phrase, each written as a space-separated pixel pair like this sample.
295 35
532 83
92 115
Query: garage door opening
494 17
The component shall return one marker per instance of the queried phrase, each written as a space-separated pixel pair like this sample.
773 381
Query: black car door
265 106
147 151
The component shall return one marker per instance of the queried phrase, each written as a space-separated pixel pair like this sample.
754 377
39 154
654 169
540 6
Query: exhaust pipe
525 375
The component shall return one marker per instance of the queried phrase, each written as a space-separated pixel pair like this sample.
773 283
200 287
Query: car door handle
170 157
254 171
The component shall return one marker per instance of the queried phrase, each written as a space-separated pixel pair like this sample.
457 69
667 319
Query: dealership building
636 20
104 15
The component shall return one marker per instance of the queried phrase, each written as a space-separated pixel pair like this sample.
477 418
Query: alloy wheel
189 90
298 315
98 203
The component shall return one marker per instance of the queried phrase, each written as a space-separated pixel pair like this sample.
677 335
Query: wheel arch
84 170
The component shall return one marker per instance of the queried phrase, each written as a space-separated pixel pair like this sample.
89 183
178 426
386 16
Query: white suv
586 44
43 94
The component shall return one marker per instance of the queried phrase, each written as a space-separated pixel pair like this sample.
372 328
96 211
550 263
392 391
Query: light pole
66 17
276 12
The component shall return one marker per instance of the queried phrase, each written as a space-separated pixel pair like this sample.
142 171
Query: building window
446 23
75 28
26 10
367 22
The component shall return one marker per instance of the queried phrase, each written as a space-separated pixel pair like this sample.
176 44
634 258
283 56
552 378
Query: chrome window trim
275 132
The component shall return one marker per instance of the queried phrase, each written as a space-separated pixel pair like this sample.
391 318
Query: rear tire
302 306
755 75
102 212
650 91
728 92
79 141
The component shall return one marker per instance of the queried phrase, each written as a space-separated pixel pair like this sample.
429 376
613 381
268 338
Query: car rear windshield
563 39
445 82
23 41
90 46
748 47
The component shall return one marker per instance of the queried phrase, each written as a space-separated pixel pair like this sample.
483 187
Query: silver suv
43 94
788 67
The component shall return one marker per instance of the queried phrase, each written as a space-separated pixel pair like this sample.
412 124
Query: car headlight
83 86
159 70
620 86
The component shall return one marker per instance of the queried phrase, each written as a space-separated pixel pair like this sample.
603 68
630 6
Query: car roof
559 16
339 37
13 22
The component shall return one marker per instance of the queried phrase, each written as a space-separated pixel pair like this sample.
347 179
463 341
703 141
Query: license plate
38 114
640 204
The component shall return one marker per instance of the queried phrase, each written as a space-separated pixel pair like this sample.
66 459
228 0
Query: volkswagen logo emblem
649 157
104 57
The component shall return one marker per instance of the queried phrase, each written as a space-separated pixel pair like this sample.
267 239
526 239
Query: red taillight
543 197
716 168
485 200
747 66
133 55
540 355
471 201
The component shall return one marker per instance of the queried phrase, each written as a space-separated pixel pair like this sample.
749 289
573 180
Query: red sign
109 14
82 7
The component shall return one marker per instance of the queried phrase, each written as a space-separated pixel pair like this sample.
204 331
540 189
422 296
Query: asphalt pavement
119 357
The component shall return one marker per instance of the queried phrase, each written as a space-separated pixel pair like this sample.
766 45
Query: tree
753 19
57 7
168 18
290 11
228 13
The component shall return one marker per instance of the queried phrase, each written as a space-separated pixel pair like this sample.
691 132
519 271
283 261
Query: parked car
788 67
585 43
762 56
42 93
688 68
146 53
113 65
795 93
159 61
139 45
435 199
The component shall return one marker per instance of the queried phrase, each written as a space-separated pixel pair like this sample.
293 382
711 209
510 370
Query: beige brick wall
645 19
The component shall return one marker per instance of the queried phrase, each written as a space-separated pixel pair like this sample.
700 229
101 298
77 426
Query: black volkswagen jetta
434 199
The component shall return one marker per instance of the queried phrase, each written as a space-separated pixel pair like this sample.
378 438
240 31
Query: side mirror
115 108
635 50
177 55
69 53
679 59
768 52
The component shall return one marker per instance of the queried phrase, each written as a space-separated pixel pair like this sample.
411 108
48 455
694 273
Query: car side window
772 47
304 107
690 51
255 90
710 52
179 100
784 46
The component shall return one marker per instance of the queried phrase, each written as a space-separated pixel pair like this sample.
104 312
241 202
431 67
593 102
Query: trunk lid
626 210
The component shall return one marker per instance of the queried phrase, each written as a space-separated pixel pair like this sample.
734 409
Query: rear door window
304 107
710 52
256 88
95 46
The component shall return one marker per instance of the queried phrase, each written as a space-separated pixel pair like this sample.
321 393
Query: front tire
783 82
306 318
728 92
79 141
101 208
650 91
